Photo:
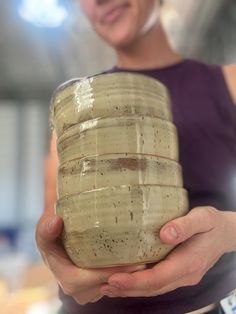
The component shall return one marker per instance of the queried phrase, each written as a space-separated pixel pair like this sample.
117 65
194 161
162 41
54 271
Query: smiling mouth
114 14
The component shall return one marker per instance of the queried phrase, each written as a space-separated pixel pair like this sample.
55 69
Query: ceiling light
43 13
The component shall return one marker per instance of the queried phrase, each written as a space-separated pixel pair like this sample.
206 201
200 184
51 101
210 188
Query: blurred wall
23 142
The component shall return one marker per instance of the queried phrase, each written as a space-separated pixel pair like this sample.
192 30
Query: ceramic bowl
90 173
136 134
119 180
119 225
109 95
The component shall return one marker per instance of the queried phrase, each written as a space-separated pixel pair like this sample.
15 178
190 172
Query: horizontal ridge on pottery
94 172
109 95
108 81
133 105
136 134
102 223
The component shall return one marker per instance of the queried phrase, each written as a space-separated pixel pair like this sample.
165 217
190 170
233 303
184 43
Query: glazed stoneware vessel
74 101
79 175
136 134
119 225
119 179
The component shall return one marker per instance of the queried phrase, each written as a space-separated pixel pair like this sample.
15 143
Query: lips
114 13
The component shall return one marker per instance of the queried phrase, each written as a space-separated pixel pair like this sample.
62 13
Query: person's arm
203 235
230 78
81 284
197 234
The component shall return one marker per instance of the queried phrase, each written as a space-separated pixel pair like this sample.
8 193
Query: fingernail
170 233
50 224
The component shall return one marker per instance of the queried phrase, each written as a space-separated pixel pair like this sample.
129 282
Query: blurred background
42 44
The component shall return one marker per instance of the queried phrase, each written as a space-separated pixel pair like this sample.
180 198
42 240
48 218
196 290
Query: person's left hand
203 235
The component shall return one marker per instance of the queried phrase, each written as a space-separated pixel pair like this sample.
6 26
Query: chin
121 40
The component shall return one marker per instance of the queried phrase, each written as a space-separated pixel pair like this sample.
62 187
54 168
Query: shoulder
229 72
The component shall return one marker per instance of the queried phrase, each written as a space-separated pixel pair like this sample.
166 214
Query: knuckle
71 285
96 299
194 280
69 289
81 301
209 211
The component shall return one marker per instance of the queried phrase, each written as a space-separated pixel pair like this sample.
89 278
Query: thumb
48 241
48 231
198 220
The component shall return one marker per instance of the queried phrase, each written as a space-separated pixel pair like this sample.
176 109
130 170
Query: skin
196 233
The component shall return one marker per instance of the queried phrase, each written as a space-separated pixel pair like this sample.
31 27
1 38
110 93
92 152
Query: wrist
230 227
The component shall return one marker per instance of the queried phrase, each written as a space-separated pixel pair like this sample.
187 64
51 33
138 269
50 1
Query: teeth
119 179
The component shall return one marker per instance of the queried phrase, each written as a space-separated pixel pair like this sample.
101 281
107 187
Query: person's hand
203 235
83 285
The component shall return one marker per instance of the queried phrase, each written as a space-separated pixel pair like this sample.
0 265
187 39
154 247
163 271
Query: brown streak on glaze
129 163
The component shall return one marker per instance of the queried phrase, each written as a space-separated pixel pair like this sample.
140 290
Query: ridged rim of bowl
92 123
105 76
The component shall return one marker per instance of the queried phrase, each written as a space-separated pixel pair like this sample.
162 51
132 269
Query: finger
150 279
160 276
100 276
48 230
48 233
112 291
88 296
48 241
81 282
198 220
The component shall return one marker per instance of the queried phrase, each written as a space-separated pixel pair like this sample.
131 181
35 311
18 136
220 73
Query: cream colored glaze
80 175
119 225
111 95
114 106
136 134
100 123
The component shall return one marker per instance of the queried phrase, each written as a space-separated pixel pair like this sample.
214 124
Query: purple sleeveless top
205 117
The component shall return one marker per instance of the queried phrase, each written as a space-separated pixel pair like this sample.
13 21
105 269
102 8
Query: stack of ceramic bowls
119 180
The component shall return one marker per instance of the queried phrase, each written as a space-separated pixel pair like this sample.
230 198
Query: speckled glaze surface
119 180
136 134
79 175
116 95
119 225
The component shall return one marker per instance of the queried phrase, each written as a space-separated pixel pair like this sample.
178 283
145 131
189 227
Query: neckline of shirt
162 69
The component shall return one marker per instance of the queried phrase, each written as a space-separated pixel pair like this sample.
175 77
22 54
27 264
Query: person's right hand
82 284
